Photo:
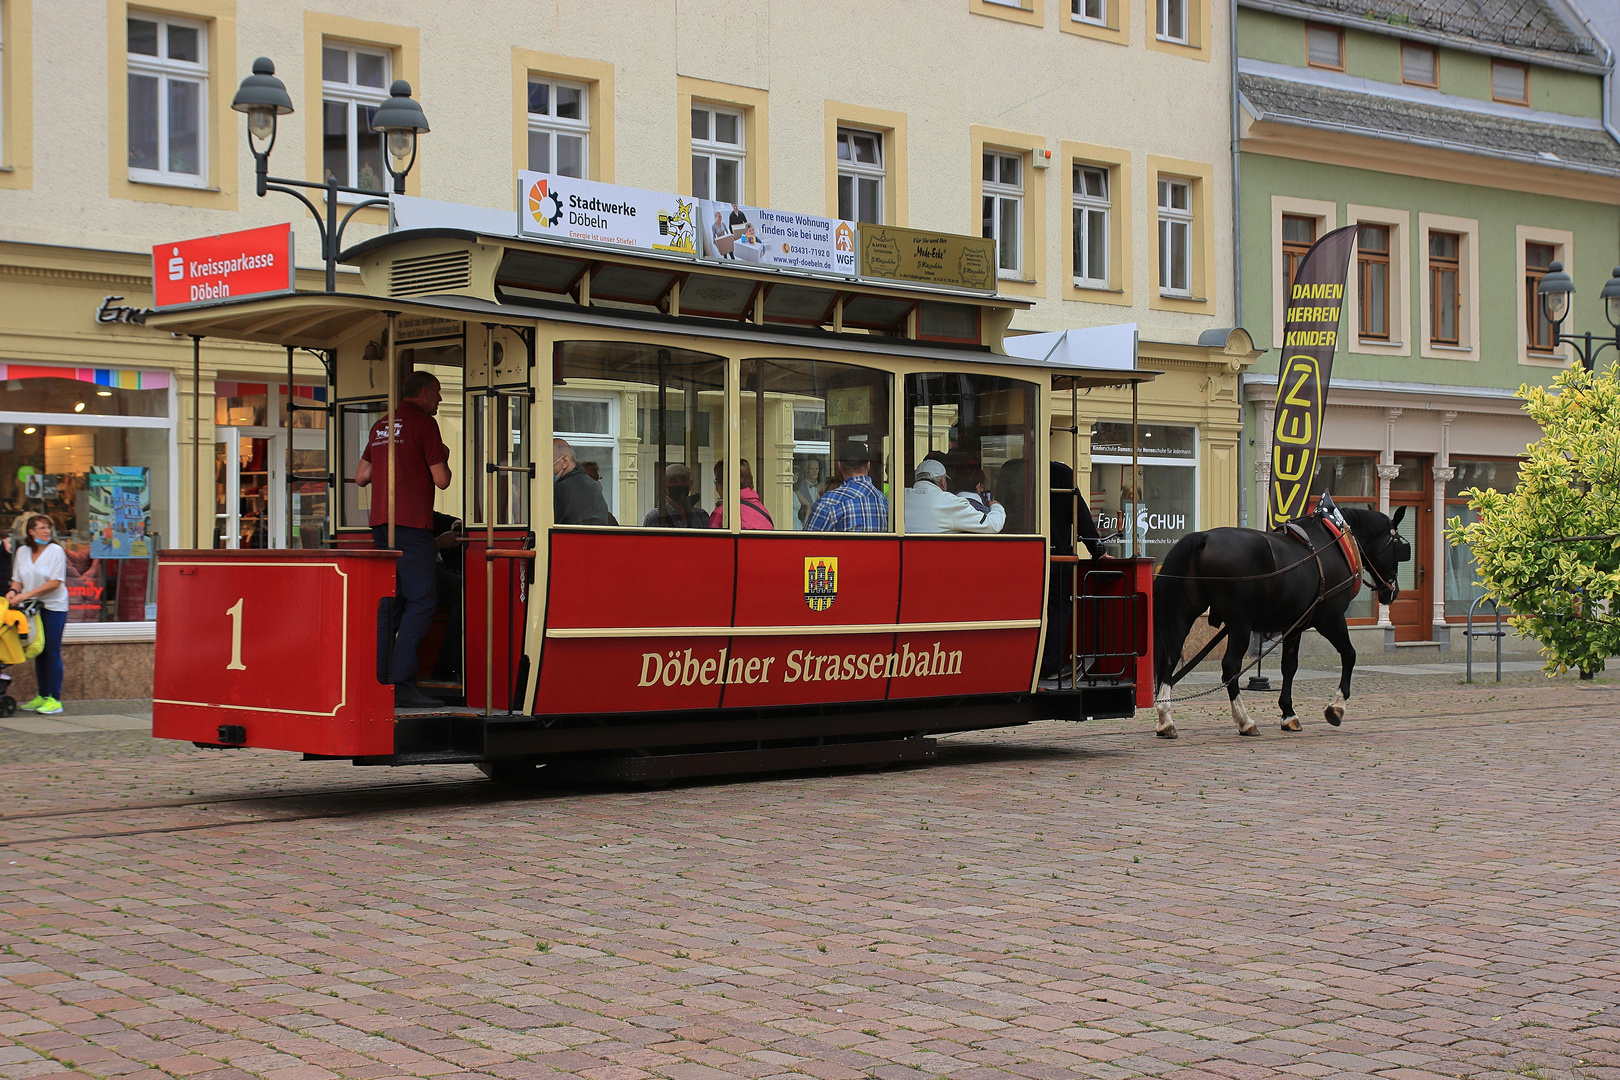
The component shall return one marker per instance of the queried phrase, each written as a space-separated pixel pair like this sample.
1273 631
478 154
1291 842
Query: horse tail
1178 599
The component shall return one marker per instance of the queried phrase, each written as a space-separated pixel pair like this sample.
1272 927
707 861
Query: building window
1298 234
860 175
1372 273
1091 240
354 81
1091 11
1324 47
1172 21
1003 218
1510 82
718 153
1445 288
168 91
1420 64
559 127
1175 237
1537 262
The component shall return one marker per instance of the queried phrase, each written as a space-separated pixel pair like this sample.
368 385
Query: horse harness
1347 546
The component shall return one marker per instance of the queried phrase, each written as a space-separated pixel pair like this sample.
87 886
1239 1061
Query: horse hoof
1334 715
1168 733
1291 724
1250 731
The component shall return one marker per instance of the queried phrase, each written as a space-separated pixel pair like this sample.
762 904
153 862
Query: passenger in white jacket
932 509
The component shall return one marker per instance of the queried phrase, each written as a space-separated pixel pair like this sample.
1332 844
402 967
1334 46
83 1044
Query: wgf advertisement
1310 334
764 237
246 263
563 207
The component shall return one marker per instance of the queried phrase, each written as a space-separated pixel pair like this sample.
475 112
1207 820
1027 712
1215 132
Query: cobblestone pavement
1429 890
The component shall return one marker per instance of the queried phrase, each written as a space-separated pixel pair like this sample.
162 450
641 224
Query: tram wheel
8 705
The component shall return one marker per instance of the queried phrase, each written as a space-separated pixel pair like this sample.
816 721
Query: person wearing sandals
39 572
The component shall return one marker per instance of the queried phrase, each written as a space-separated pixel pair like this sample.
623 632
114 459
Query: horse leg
1237 644
1285 700
1338 635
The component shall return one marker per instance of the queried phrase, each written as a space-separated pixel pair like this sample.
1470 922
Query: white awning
1111 348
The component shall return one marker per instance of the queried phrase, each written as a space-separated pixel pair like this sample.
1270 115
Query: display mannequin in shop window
39 572
422 461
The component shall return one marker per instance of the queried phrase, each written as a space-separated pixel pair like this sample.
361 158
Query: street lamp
399 119
1555 289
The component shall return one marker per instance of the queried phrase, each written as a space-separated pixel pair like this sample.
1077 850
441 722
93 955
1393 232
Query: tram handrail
507 553
1469 634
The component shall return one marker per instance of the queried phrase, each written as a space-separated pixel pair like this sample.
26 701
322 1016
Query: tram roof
321 320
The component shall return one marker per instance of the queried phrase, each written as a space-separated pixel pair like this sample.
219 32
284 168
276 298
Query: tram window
354 425
651 423
508 415
982 429
798 418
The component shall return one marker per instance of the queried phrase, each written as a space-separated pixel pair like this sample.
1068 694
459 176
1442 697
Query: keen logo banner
1310 334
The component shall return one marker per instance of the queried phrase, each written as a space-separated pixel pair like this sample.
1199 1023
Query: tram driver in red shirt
423 463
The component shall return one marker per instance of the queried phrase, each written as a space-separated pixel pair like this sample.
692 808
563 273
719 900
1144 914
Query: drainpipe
1237 240
1608 76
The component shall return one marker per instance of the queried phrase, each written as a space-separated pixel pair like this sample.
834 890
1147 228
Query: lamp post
264 98
1555 289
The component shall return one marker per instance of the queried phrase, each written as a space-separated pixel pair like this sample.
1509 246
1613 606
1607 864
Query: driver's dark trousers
415 598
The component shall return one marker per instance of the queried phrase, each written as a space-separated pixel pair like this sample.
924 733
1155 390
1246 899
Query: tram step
673 766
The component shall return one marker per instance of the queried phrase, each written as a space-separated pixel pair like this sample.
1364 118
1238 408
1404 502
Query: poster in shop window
120 512
1314 302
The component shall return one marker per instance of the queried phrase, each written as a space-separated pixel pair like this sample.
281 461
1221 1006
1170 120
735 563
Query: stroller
19 629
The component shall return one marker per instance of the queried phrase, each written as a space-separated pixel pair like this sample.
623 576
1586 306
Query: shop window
559 127
1175 237
718 153
1538 259
1445 287
168 98
860 175
1462 584
1092 210
1420 64
673 402
1145 514
1510 82
1324 47
825 411
1003 217
1372 281
354 82
981 428
1352 480
37 388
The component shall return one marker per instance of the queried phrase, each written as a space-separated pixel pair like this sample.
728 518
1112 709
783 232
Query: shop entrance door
251 491
1413 613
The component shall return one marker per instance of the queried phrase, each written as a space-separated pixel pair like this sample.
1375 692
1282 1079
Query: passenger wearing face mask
679 509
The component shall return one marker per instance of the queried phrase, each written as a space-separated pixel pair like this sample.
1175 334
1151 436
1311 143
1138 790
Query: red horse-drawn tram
715 625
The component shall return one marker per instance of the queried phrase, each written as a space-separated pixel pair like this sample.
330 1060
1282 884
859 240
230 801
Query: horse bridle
1378 580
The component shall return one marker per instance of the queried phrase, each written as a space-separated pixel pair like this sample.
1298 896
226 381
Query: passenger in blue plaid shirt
856 505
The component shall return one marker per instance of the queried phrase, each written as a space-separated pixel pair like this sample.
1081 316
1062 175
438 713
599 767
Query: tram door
498 434
251 489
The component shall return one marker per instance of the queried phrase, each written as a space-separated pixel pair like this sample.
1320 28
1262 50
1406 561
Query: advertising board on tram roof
760 236
923 257
252 262
567 208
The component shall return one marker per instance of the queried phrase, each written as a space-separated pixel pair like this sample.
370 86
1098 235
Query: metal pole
1136 466
287 411
490 402
759 441
196 441
389 420
1074 537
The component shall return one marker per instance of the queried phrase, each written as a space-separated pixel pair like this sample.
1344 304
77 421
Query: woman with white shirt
39 572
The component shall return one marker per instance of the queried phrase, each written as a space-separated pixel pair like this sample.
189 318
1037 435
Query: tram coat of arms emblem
820 582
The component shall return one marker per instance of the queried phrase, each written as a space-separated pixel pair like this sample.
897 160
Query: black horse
1274 583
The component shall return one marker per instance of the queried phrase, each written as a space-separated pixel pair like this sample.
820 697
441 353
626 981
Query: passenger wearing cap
856 505
930 508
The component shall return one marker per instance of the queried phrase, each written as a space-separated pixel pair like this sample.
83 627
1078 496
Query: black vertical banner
1310 334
